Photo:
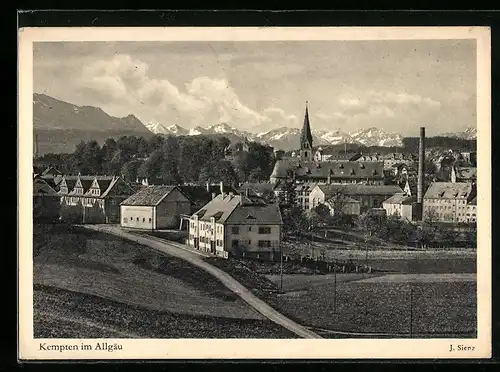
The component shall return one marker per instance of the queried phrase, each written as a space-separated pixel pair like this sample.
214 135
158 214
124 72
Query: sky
397 86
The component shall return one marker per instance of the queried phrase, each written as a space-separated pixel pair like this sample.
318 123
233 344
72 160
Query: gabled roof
358 190
150 195
237 209
448 190
473 201
41 187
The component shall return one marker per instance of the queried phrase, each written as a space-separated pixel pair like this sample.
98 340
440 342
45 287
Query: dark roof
323 169
473 201
357 190
466 173
448 190
41 187
256 214
198 193
237 209
149 195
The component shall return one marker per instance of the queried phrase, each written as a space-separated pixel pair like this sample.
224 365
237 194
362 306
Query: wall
169 210
137 217
447 210
248 240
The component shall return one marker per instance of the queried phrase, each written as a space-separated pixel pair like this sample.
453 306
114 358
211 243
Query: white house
235 225
448 201
155 207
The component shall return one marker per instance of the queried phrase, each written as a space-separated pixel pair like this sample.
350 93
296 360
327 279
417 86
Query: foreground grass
96 317
101 273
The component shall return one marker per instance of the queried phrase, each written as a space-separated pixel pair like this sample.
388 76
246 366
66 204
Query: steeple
306 138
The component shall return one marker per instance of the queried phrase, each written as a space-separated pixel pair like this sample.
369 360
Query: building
334 155
368 196
471 213
370 157
155 207
469 157
399 158
46 202
448 201
233 225
463 174
92 199
302 193
401 205
201 195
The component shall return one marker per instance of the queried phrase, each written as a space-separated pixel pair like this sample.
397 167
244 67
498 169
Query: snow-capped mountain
377 137
287 138
470 134
174 129
334 137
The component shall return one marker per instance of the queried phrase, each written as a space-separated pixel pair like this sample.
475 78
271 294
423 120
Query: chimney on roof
222 189
421 170
214 195
246 192
208 186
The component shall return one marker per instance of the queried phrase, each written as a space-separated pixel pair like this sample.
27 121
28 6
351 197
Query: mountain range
51 114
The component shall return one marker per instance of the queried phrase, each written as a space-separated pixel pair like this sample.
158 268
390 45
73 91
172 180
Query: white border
251 348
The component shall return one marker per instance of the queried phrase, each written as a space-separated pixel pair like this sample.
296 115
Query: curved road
195 257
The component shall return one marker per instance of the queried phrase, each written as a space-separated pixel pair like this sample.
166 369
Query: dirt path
195 257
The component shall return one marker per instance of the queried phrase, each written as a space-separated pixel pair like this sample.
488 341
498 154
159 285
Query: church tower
306 148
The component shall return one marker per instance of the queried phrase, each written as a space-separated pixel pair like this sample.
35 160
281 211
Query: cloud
124 81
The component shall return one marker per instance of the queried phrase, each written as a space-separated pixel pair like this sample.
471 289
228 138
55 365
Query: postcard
254 193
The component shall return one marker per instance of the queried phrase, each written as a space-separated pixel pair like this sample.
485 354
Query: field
97 284
440 305
375 305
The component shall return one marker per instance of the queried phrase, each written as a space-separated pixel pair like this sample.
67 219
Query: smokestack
222 189
208 186
421 171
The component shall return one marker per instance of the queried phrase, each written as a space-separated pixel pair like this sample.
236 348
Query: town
245 207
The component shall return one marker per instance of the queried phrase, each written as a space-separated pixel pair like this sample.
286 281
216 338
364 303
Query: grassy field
65 314
81 265
440 309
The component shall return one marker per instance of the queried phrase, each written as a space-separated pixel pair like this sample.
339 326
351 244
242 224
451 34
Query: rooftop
400 198
149 195
448 190
349 189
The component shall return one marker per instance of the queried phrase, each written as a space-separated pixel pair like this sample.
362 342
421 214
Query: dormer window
353 172
362 166
341 166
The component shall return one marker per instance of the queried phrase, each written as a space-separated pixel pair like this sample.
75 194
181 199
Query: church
304 166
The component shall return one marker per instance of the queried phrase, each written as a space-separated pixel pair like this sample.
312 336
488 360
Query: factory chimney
421 171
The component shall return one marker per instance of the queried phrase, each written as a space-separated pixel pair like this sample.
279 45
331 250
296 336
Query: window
235 230
143 219
249 242
149 219
137 219
125 219
264 230
249 228
264 243
234 243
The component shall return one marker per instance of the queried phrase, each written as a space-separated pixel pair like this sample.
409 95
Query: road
196 258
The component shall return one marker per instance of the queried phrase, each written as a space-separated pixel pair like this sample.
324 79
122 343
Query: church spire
305 135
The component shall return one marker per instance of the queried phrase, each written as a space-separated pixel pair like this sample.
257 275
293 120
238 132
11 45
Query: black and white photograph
225 186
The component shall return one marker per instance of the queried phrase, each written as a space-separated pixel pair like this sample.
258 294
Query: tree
371 222
130 170
295 222
321 215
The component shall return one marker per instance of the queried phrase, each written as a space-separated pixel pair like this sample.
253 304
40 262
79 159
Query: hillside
52 114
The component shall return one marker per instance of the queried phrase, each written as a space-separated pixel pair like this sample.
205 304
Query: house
447 201
370 157
469 157
402 205
263 190
368 196
92 199
155 207
400 169
201 195
463 174
46 202
302 192
233 225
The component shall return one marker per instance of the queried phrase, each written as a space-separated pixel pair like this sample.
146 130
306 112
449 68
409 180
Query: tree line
169 159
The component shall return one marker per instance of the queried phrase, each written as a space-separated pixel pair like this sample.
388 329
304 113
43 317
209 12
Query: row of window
261 243
137 219
262 230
